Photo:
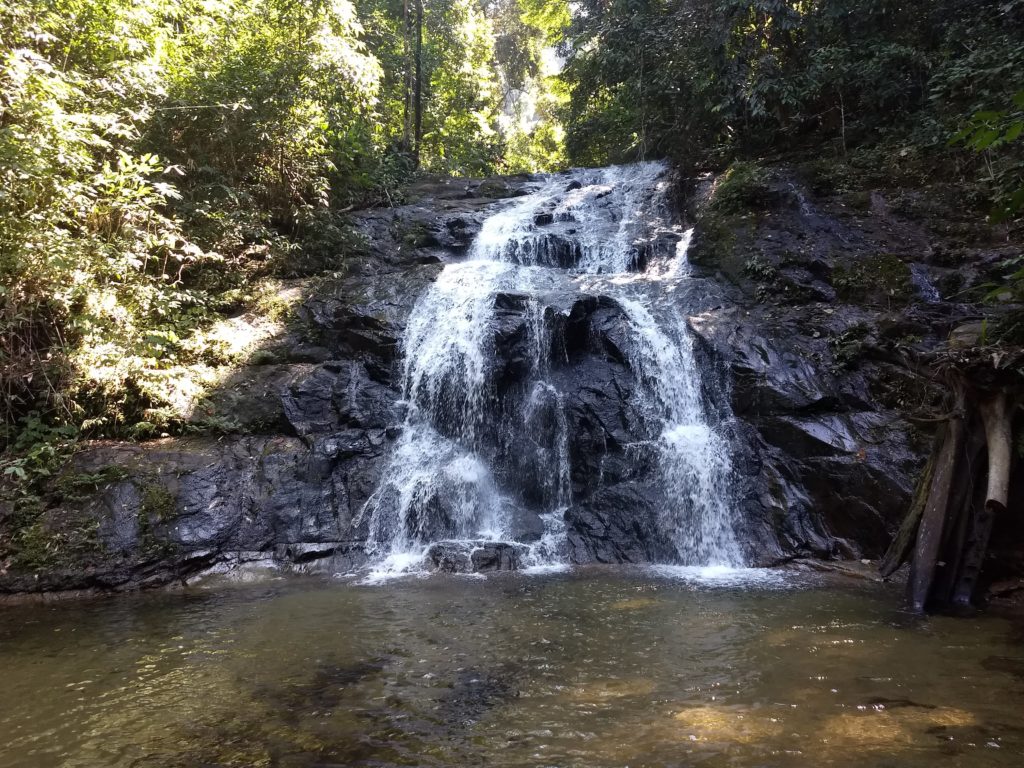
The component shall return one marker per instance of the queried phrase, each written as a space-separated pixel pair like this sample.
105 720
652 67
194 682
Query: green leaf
15 471
985 139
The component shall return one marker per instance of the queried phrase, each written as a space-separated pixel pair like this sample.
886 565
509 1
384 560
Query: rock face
824 298
809 360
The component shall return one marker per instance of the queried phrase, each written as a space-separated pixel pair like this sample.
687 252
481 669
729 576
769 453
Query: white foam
396 565
721 575
546 568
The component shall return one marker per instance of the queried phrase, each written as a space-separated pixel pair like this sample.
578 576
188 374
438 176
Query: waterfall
693 458
588 231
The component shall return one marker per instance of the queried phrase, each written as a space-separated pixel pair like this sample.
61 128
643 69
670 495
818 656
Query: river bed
591 667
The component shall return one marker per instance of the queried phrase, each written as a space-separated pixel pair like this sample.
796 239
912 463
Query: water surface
592 667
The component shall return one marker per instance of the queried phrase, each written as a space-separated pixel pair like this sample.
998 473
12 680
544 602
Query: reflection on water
594 667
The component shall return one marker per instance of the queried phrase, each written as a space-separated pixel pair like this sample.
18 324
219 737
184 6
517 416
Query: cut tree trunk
996 417
995 412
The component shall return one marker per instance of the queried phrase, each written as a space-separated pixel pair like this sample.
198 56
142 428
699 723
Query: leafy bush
743 187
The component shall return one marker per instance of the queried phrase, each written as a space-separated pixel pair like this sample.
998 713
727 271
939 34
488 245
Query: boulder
476 556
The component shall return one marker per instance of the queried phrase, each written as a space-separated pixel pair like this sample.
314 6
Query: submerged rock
476 556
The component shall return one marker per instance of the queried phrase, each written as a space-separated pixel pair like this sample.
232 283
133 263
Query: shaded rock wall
827 299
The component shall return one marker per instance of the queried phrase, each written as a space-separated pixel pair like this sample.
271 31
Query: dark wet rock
363 317
188 505
526 525
338 395
473 693
801 308
617 524
248 401
476 556
833 470
303 552
599 401
513 351
498 189
551 247
817 315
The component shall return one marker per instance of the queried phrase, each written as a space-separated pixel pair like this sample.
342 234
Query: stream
647 666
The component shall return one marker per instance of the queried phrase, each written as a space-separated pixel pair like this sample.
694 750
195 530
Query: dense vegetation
164 162
161 160
709 79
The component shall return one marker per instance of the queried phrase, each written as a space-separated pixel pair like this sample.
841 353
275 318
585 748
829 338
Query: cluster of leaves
992 134
90 255
33 478
881 279
489 101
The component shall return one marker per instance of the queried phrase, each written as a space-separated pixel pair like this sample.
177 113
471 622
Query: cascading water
591 232
694 459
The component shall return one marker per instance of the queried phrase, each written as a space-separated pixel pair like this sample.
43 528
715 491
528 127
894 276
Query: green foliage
707 81
157 502
160 158
41 545
41 524
848 346
993 134
760 269
158 506
881 279
38 451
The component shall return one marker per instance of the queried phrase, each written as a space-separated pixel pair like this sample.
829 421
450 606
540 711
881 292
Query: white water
439 483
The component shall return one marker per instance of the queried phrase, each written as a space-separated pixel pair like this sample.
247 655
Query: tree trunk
419 80
903 544
996 417
407 79
960 519
974 548
929 534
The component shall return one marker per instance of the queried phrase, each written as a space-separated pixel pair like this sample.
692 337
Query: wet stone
476 556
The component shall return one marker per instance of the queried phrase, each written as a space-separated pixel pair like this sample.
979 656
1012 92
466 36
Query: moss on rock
884 278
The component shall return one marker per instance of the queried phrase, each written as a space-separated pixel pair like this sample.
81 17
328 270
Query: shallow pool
592 667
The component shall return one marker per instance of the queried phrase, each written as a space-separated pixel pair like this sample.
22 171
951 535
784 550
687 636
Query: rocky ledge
803 302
